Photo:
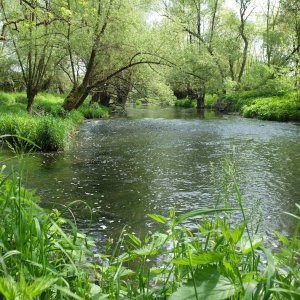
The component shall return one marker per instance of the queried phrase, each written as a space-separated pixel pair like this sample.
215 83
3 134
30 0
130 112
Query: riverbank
45 256
49 126
251 104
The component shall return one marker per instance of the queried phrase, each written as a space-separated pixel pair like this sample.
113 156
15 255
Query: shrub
210 100
187 102
284 108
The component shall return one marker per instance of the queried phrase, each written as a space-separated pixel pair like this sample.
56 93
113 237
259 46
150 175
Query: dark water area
157 158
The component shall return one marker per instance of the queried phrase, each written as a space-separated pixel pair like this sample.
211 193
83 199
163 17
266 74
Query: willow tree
101 42
28 28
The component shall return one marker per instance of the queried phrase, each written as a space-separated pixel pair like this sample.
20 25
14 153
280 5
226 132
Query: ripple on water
157 159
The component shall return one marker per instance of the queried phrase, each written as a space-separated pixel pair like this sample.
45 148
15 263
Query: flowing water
157 158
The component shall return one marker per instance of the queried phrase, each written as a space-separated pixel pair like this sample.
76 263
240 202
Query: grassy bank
44 256
251 104
49 126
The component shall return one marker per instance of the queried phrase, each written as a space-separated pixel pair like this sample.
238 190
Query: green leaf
202 259
238 233
9 253
210 285
8 288
67 292
250 289
282 290
158 218
40 285
270 271
146 250
201 212
136 240
245 245
282 238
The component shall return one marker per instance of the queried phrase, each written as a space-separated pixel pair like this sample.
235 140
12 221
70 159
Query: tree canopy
139 47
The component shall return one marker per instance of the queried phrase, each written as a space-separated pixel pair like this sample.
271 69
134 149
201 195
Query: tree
109 51
29 26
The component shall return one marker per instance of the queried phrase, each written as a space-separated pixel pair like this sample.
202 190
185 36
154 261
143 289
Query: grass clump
50 126
49 133
52 133
94 111
39 260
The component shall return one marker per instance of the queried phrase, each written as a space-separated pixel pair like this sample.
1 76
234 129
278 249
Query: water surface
158 158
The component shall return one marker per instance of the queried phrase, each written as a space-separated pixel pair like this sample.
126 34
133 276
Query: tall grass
49 127
44 256
94 111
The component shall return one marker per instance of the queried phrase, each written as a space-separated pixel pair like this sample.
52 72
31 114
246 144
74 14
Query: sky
258 7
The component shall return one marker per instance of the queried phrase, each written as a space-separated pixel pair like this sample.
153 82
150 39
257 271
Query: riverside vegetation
43 255
49 126
252 104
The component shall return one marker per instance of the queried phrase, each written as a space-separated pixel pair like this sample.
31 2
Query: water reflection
155 159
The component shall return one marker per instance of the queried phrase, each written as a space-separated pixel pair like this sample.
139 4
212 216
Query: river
157 158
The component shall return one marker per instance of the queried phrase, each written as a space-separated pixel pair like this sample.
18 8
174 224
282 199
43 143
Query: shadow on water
157 158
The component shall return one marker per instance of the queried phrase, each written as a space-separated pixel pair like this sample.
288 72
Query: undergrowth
187 103
252 104
49 126
44 256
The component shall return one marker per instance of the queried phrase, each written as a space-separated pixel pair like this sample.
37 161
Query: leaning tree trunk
76 97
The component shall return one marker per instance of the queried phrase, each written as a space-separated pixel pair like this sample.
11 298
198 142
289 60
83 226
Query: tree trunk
200 100
76 97
30 98
101 97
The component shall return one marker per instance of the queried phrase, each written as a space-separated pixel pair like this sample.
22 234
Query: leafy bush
285 108
187 102
210 100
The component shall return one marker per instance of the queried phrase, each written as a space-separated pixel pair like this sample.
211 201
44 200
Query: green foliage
187 102
49 127
284 108
210 100
276 108
6 99
94 111
38 259
51 133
